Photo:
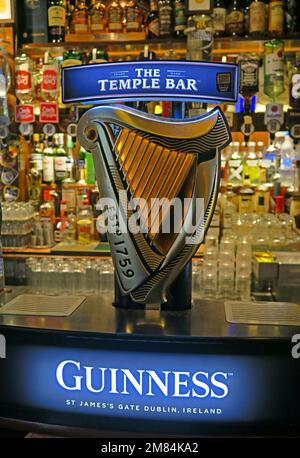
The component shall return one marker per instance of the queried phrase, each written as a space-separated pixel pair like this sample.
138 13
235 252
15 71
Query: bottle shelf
247 45
124 44
117 45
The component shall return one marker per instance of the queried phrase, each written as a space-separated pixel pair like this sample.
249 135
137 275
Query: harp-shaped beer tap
144 166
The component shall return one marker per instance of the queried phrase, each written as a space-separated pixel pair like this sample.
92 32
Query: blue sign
150 80
138 385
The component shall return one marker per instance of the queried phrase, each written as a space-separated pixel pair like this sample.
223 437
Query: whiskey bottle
115 15
249 82
274 69
257 19
152 23
219 17
235 20
56 20
80 17
165 17
98 17
179 18
133 16
276 18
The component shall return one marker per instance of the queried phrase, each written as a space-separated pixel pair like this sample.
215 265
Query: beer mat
260 312
42 305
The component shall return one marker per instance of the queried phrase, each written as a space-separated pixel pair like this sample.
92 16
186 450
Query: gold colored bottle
80 17
276 18
133 16
98 17
115 15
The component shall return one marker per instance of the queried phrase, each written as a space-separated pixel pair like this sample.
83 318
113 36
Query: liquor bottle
36 157
245 4
235 165
249 82
274 69
152 22
23 76
276 18
69 16
56 20
292 15
98 17
179 18
69 162
235 19
69 235
165 17
219 16
80 17
49 86
98 56
251 166
257 19
48 162
60 160
61 224
72 57
38 78
32 21
85 223
295 84
115 16
133 16
4 87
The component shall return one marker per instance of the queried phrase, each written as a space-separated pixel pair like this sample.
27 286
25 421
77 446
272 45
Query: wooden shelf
121 45
246 45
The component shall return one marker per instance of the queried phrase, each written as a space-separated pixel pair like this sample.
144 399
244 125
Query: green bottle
274 69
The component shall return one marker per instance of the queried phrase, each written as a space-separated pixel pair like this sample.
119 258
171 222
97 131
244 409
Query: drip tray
42 305
272 313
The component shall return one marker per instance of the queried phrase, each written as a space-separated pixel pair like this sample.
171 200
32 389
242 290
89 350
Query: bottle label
60 167
49 112
56 16
48 169
249 75
235 22
274 63
132 19
71 62
36 160
276 17
49 81
219 15
257 17
97 22
252 162
115 20
80 22
23 79
58 236
24 114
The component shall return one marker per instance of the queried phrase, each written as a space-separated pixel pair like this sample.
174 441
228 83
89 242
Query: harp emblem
142 162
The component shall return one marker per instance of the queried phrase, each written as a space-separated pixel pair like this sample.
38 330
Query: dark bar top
96 315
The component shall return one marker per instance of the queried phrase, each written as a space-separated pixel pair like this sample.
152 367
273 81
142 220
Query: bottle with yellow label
276 18
56 20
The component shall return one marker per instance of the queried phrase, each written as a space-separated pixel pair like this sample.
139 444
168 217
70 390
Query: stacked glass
65 276
226 268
